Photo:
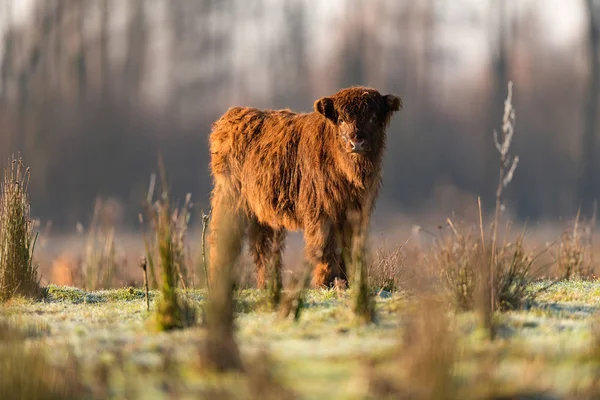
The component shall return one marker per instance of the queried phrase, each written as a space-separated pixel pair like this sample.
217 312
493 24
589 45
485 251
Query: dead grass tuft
262 380
168 234
18 273
174 222
26 373
220 351
423 365
388 268
99 264
455 256
363 304
429 351
464 264
574 258
513 267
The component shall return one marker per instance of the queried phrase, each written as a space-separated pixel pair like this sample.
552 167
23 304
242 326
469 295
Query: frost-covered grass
545 348
580 292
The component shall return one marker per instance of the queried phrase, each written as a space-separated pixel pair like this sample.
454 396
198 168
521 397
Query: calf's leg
323 251
266 246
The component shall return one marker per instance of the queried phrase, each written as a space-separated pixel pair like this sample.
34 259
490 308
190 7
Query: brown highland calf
276 170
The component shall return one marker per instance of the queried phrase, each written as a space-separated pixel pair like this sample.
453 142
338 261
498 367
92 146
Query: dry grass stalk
143 265
494 272
178 220
505 174
423 365
99 264
574 256
26 373
18 274
363 303
205 221
387 269
169 233
463 261
169 313
181 219
455 257
149 243
429 352
484 282
220 351
512 271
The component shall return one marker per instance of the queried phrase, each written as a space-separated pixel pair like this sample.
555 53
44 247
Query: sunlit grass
322 354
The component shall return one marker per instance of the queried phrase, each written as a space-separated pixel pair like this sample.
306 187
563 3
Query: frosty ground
548 348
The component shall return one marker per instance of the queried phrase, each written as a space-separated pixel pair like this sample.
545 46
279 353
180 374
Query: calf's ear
393 103
325 106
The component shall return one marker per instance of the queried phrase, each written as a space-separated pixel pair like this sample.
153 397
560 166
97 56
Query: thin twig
205 220
151 185
481 223
505 174
183 285
148 251
143 266
592 228
148 209
33 249
451 225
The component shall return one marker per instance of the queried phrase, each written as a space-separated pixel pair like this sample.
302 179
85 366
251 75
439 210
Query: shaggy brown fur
276 170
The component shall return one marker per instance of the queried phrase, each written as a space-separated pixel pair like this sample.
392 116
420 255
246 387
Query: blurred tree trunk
197 44
81 57
287 59
587 183
429 73
58 46
7 57
137 39
104 61
177 13
500 71
352 59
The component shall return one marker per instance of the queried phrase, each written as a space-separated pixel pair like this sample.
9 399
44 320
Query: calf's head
360 115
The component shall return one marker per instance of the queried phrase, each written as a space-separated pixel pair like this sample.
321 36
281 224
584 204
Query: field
477 309
105 342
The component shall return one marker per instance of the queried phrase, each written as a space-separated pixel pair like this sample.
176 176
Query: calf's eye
373 119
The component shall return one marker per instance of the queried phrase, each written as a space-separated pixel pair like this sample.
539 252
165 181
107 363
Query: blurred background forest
92 90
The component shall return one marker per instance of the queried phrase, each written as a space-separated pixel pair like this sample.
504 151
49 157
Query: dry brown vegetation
99 264
220 352
422 367
388 268
462 260
26 372
18 273
168 253
574 255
